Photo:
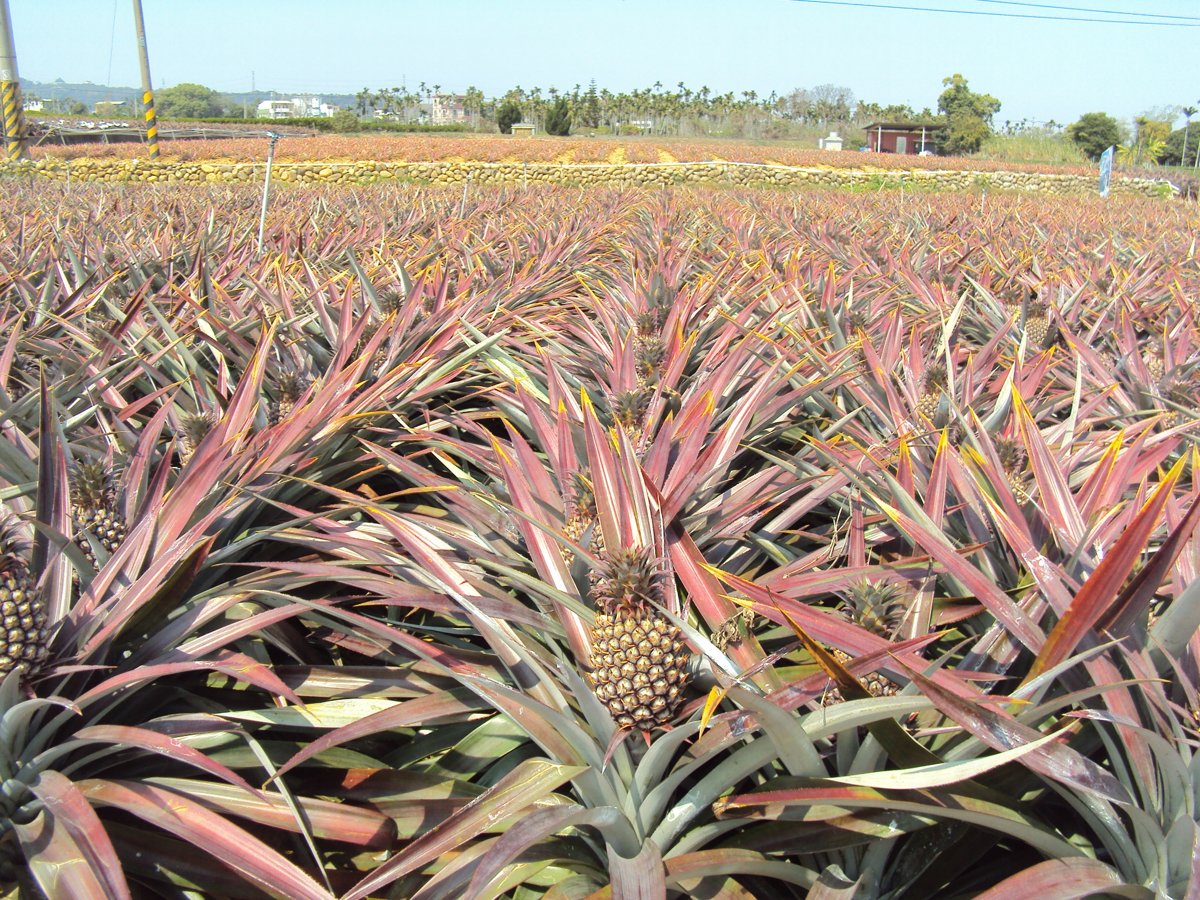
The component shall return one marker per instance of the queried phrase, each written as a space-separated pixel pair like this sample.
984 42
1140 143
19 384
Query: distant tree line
967 116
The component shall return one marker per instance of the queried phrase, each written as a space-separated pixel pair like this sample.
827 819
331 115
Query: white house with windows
296 108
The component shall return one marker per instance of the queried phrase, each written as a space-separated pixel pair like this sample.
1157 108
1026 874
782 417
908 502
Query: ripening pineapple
581 515
1037 325
1178 391
94 509
879 607
193 429
857 321
638 663
647 323
1154 363
24 375
629 410
1015 462
648 355
391 302
23 629
936 382
289 385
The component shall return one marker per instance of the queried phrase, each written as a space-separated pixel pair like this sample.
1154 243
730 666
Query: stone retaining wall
367 171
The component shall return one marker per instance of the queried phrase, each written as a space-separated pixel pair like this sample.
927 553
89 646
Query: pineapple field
559 543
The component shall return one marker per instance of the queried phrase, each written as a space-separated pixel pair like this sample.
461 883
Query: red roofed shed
902 137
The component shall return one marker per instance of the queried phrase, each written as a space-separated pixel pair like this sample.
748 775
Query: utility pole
147 90
10 86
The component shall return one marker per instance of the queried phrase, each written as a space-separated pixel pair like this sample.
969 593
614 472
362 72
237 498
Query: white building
275 109
449 109
32 104
296 108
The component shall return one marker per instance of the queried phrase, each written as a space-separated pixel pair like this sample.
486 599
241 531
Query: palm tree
1188 112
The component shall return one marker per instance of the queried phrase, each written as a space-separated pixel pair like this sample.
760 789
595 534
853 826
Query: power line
1088 9
1000 15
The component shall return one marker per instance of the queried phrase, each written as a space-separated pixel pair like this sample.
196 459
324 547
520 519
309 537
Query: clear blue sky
1038 69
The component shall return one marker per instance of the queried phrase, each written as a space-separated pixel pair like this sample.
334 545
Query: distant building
902 137
296 108
113 108
31 104
833 142
449 109
275 109
313 108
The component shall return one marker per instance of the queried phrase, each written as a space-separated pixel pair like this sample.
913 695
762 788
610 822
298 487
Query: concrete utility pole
10 86
147 90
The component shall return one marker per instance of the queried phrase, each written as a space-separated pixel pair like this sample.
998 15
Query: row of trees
657 109
1151 140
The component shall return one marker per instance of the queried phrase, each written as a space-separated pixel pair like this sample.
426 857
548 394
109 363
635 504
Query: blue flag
1106 159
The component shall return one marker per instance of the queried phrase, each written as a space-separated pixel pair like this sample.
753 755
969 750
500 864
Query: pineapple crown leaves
93 483
628 578
290 384
878 606
581 495
14 548
195 426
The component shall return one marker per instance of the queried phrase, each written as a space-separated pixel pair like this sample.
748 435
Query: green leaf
527 785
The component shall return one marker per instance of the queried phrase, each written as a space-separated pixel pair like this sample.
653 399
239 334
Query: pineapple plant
1177 391
1153 360
1015 463
23 375
936 382
391 302
193 427
94 509
23 629
629 412
638 662
1037 324
879 607
581 515
648 356
289 385
647 324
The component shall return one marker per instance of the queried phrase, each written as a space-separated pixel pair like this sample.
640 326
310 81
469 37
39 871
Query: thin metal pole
462 207
262 218
10 87
147 89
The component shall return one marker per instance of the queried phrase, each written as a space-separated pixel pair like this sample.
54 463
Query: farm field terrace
504 148
560 543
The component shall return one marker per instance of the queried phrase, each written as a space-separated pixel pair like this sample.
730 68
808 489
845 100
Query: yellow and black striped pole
151 124
10 89
14 136
147 90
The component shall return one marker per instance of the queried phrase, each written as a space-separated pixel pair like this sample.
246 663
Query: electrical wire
1000 15
1089 9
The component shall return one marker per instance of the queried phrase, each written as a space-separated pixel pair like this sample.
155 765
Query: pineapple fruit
1038 327
23 629
936 382
1177 391
629 412
1015 462
879 607
638 662
289 385
581 515
649 353
94 509
391 302
192 430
